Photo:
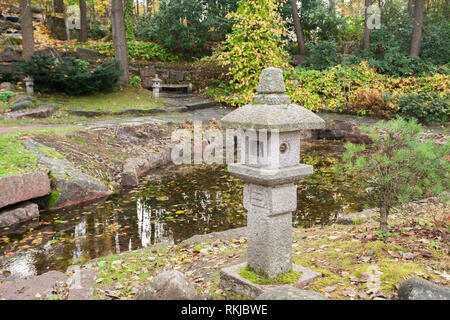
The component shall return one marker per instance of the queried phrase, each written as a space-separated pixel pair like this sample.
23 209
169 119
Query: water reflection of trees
151 229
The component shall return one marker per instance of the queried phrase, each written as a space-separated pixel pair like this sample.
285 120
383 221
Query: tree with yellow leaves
255 43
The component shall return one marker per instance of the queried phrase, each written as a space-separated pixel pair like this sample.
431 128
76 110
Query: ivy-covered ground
355 261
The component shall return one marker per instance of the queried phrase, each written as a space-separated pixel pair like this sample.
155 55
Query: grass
14 157
124 98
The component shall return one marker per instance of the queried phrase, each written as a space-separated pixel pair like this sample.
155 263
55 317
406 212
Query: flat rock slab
138 111
35 113
235 233
73 186
191 102
231 280
88 113
288 292
31 288
357 217
81 283
421 289
15 189
19 213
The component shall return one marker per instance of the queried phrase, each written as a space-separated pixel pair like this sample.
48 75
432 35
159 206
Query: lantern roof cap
273 110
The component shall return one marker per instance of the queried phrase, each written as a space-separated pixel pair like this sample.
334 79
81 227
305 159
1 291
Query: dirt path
6 129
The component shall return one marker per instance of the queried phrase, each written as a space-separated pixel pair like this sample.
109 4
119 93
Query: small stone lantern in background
157 83
269 166
29 85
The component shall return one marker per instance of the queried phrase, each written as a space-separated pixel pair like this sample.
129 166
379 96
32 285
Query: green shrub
397 64
435 44
41 68
135 81
424 106
323 55
97 30
70 75
7 76
6 95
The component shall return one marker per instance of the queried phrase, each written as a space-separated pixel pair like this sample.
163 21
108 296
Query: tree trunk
297 27
137 10
411 4
333 7
367 30
83 36
416 37
26 22
447 9
119 38
384 213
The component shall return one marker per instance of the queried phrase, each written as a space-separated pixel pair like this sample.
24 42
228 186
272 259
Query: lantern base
231 280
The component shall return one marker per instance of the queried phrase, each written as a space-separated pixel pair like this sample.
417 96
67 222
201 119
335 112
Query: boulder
10 55
49 105
11 18
168 285
357 137
36 9
357 217
85 53
21 105
6 86
71 186
18 214
288 292
21 98
81 283
134 168
15 189
14 10
421 289
32 288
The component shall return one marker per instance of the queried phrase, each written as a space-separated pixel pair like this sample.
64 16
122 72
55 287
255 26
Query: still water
172 206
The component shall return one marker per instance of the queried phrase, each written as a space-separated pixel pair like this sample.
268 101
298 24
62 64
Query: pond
172 206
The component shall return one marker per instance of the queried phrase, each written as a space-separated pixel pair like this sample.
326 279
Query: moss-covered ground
289 277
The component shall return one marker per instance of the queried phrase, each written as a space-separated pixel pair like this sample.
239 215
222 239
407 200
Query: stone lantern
157 84
29 85
269 166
